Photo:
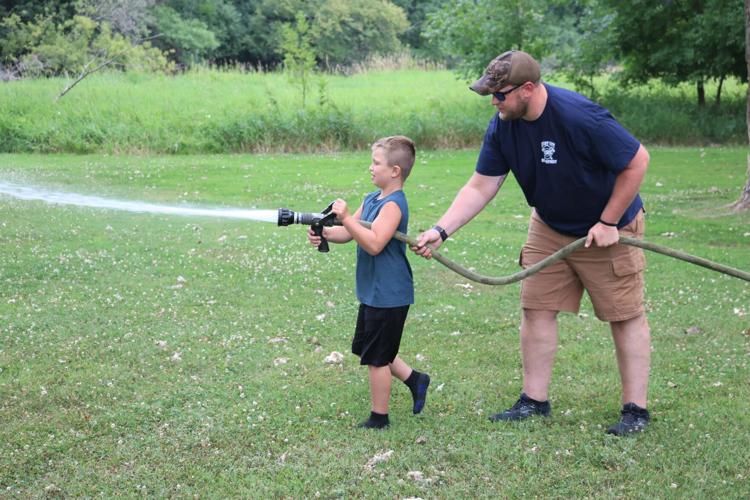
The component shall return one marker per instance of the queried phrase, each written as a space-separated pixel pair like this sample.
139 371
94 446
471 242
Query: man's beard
509 115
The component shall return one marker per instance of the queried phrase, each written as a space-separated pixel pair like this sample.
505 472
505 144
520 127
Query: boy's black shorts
378 334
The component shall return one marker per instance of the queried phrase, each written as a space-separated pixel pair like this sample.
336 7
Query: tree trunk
718 92
744 202
701 93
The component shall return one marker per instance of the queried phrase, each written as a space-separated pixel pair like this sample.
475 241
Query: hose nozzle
315 221
288 217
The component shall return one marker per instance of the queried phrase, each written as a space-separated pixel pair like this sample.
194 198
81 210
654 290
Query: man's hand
602 235
427 242
340 209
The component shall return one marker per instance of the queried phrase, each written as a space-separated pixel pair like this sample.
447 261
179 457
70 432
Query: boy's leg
416 382
380 388
380 391
400 369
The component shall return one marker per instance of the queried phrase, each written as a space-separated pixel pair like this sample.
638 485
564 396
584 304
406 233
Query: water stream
64 198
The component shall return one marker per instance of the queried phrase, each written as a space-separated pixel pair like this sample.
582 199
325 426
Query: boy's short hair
399 150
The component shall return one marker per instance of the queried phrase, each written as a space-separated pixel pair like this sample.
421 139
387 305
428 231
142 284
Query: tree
130 18
347 31
189 40
680 41
583 42
744 202
28 10
416 13
474 32
219 17
299 58
79 45
263 22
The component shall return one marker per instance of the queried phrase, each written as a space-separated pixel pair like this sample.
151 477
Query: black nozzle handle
317 229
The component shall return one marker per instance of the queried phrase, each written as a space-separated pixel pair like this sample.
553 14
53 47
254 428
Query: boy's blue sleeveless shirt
385 280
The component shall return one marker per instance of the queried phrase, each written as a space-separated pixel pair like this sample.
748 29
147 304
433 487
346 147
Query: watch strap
443 234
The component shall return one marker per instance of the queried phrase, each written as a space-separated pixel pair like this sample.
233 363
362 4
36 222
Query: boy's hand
340 209
314 240
427 241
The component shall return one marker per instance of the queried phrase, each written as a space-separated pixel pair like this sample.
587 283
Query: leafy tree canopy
44 47
473 32
346 31
680 40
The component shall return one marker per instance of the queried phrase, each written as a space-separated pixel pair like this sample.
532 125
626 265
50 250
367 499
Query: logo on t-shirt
548 150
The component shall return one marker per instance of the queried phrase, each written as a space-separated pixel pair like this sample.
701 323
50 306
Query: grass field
166 356
212 111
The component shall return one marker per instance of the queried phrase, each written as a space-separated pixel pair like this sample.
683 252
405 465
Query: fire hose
326 218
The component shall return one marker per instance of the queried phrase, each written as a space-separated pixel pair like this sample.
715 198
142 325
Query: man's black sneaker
525 407
633 419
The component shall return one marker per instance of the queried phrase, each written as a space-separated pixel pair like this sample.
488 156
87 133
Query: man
580 170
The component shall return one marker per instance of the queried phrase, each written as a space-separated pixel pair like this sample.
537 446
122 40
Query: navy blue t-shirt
385 280
566 161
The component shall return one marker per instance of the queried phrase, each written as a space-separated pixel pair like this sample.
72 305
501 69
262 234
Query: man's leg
538 349
633 347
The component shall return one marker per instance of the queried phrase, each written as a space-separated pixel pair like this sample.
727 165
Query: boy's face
381 173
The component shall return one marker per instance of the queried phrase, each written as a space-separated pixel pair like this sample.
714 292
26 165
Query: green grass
212 111
97 306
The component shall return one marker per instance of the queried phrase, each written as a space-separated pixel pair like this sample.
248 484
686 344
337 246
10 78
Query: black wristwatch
443 234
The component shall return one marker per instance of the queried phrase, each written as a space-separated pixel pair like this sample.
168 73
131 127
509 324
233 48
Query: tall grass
208 111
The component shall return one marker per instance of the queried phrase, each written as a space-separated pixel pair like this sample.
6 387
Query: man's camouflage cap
514 67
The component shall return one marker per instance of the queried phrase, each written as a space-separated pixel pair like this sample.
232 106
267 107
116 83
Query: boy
384 280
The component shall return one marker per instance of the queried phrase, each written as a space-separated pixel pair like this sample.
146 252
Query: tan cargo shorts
612 276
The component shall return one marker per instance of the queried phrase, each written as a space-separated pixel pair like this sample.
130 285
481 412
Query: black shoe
524 408
421 394
633 419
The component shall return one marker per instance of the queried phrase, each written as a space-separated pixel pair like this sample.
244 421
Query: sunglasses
500 96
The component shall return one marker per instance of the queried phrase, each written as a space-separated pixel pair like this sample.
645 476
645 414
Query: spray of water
63 198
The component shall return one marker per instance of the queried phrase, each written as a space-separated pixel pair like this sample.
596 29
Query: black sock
536 402
411 382
376 421
418 384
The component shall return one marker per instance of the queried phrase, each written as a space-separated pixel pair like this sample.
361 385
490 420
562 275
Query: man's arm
627 185
470 200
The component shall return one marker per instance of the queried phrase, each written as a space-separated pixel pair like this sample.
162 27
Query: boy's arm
340 233
337 234
334 234
372 240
